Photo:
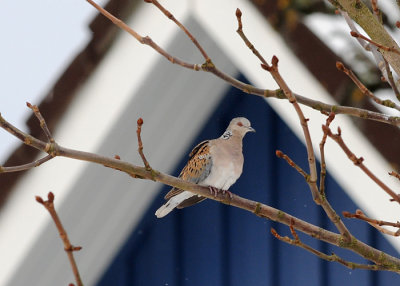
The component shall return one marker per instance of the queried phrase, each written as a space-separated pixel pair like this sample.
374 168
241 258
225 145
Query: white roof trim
19 233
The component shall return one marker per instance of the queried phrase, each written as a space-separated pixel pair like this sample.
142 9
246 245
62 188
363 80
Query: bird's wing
196 170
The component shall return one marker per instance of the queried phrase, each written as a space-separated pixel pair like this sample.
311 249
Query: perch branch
208 66
68 247
257 208
359 162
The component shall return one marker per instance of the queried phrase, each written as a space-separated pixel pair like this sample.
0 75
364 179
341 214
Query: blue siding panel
214 244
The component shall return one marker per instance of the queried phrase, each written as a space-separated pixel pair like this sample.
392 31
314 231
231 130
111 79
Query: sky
39 38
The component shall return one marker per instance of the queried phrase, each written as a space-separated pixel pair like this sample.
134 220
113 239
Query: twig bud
29 104
140 121
275 61
398 24
148 1
238 13
117 157
340 66
50 197
278 153
266 67
354 34
39 200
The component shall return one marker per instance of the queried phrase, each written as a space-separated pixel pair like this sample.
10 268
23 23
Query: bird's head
240 126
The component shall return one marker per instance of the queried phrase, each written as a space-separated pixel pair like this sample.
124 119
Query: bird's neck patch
227 134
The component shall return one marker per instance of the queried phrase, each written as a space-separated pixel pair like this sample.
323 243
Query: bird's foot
214 191
227 192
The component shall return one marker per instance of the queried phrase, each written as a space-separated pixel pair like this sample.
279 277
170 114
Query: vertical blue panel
213 244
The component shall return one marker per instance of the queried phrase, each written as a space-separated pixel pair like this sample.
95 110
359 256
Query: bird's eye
240 124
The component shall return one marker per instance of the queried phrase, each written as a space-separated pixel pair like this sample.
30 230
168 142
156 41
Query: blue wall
213 244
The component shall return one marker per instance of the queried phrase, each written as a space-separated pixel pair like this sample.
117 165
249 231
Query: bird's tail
172 203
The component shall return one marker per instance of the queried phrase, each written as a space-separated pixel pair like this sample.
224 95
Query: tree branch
68 247
359 163
257 208
209 66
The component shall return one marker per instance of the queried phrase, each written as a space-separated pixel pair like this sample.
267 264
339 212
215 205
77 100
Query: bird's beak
251 129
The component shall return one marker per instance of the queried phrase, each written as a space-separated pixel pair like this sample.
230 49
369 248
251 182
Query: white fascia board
83 127
218 18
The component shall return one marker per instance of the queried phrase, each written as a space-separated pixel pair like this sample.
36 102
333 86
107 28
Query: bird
216 164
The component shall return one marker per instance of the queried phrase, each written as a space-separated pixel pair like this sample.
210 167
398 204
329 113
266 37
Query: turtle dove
216 164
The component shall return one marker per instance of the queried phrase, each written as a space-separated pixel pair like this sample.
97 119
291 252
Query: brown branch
140 144
375 223
312 178
322 177
332 258
26 166
208 66
68 247
359 162
257 208
390 80
280 154
379 46
181 26
364 90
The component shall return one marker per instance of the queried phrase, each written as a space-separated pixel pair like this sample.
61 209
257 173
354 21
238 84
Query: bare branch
257 208
180 25
280 154
359 162
26 166
68 247
322 177
385 48
140 144
375 223
332 258
208 66
388 103
312 178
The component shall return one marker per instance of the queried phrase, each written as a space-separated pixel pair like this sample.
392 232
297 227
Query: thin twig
26 166
140 144
375 223
385 48
68 247
180 25
390 80
332 258
388 103
291 163
359 162
42 122
322 177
